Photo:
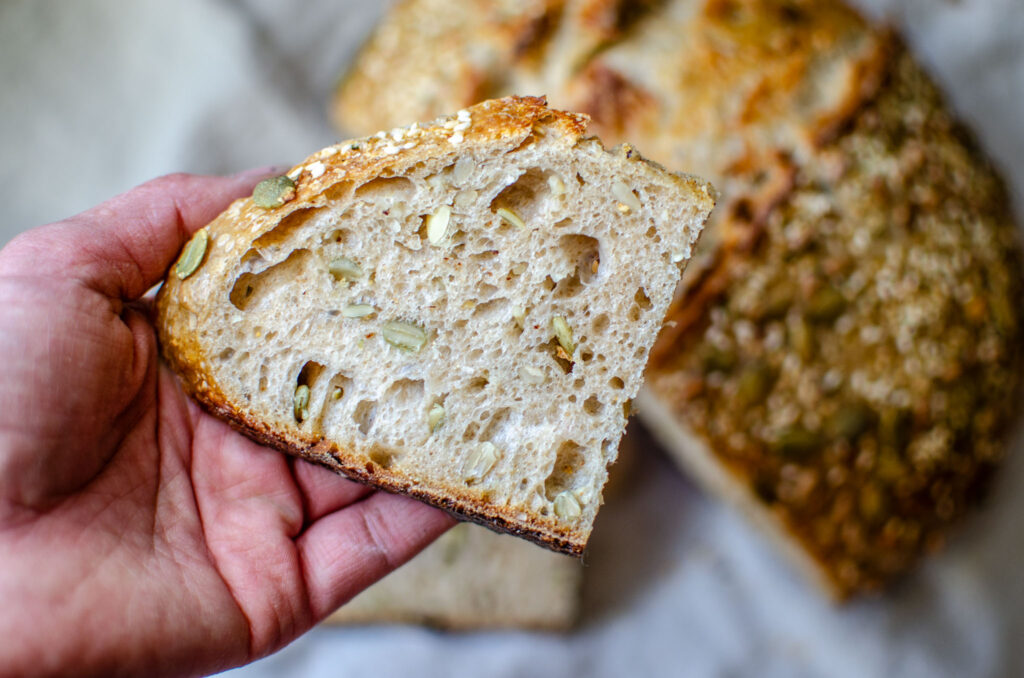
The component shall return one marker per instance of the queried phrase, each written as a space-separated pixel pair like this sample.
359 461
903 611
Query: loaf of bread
459 311
472 578
843 359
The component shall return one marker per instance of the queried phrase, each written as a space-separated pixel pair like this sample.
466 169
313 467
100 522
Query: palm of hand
148 535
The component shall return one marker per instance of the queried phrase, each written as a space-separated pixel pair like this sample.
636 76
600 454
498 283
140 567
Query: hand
139 535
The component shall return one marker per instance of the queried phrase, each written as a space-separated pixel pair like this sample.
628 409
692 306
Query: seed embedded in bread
273 192
444 372
192 256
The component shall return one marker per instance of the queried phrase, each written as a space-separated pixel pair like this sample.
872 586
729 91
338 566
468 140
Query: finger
323 490
125 245
346 551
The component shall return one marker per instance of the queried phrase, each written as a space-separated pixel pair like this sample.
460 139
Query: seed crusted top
858 361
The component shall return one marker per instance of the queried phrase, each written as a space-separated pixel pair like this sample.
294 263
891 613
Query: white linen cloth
99 95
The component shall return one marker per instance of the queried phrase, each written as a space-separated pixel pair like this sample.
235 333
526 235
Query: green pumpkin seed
567 506
755 382
796 441
192 255
850 420
714 359
563 333
511 217
826 304
404 336
357 310
872 503
273 192
300 402
343 268
894 428
435 417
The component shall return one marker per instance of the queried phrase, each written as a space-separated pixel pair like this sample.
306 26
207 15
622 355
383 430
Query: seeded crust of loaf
542 224
849 371
472 578
844 359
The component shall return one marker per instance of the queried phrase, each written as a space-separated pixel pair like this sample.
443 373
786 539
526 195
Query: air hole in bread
609 448
553 349
470 432
226 354
386 190
569 286
309 374
337 387
364 414
338 191
642 300
568 460
405 394
524 199
495 308
308 377
382 457
617 383
286 228
337 235
250 288
477 384
592 406
497 425
600 324
483 257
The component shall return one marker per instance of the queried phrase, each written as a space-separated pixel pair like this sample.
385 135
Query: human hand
141 536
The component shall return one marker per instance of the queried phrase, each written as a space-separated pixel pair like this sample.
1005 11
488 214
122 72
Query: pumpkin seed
273 192
404 336
300 402
192 256
563 333
567 507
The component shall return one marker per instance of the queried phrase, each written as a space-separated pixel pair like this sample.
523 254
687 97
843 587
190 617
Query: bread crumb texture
459 311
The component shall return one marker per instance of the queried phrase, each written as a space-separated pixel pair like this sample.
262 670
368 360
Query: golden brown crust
813 124
890 438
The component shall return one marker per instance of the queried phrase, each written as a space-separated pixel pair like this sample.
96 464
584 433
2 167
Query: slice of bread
845 359
472 578
459 311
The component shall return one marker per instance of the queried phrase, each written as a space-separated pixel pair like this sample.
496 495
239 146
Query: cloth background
99 95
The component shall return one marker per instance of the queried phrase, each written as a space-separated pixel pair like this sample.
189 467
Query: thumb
124 246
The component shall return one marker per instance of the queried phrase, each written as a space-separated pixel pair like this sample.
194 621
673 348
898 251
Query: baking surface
101 95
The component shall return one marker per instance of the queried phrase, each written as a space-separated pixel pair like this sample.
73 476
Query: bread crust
497 127
898 516
775 101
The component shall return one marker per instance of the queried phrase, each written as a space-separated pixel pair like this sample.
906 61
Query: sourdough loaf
844 359
458 311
